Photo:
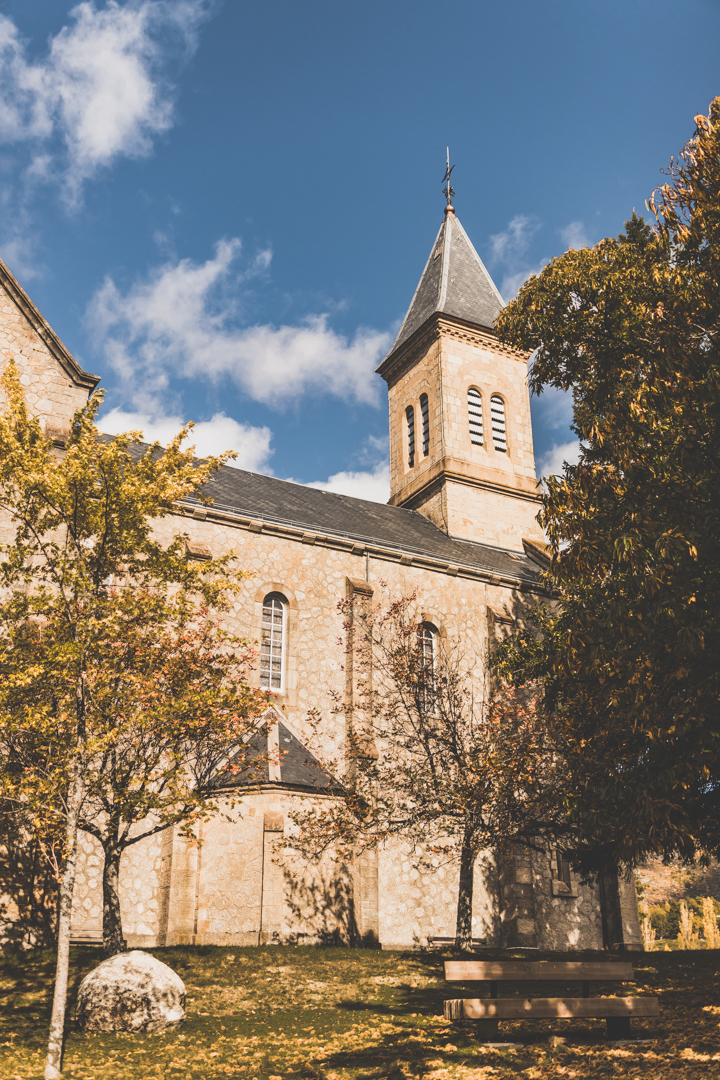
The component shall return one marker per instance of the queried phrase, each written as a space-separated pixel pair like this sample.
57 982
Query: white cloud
553 408
251 444
101 92
182 322
514 241
511 283
551 462
373 485
509 248
574 236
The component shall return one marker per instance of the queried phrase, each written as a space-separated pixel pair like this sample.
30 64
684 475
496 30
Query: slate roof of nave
454 282
283 502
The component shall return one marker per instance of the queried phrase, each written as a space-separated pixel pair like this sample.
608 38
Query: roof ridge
400 336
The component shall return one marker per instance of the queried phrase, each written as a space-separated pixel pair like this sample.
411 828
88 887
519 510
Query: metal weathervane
448 191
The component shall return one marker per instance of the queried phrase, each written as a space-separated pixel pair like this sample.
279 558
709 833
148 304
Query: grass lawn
276 1012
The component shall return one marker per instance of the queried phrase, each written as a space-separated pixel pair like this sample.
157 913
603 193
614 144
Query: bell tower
461 447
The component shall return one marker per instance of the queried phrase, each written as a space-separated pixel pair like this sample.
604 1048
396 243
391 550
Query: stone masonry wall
248 887
314 578
139 891
87 909
50 392
444 365
244 885
565 922
469 361
416 905
238 889
504 521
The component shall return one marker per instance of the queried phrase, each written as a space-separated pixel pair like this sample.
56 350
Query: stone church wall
565 922
417 906
314 579
224 892
244 884
444 363
50 392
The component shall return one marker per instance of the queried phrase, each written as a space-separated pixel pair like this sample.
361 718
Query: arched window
475 416
427 638
427 650
272 642
425 423
497 417
410 418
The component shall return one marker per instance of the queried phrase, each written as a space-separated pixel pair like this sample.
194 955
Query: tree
630 658
120 695
429 759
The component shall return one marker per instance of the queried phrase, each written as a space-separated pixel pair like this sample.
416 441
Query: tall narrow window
497 416
410 418
272 642
562 883
475 416
427 647
425 423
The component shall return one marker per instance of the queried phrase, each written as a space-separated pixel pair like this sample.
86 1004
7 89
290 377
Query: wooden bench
616 1011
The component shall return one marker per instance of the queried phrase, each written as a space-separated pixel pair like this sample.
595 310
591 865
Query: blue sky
223 208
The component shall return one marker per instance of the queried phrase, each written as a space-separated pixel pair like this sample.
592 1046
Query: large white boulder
131 991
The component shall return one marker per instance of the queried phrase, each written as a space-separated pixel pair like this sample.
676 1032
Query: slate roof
283 502
298 767
454 282
265 498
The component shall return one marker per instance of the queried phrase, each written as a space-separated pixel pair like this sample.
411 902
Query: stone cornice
471 475
360 546
437 326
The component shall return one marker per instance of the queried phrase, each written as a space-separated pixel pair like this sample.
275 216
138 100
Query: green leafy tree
433 759
121 698
630 656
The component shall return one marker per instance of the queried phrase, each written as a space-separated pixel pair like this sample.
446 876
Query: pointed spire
454 281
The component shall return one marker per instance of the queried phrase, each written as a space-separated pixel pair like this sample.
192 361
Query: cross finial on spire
448 191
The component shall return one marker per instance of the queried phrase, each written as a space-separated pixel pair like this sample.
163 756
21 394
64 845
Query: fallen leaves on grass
343 1014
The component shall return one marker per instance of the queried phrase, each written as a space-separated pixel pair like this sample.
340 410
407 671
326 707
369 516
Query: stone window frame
289 688
272 601
428 637
563 879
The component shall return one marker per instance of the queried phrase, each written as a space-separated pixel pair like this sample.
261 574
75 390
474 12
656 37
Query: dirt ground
336 1014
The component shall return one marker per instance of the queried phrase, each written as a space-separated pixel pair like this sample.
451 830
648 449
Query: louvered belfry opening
425 411
272 643
497 416
475 416
410 418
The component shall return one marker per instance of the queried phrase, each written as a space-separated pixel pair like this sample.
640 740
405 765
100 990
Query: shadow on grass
375 1011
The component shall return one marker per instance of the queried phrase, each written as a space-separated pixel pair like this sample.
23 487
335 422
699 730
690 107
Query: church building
459 532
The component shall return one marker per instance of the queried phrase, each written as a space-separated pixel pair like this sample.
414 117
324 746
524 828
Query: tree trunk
53 1061
463 929
113 940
